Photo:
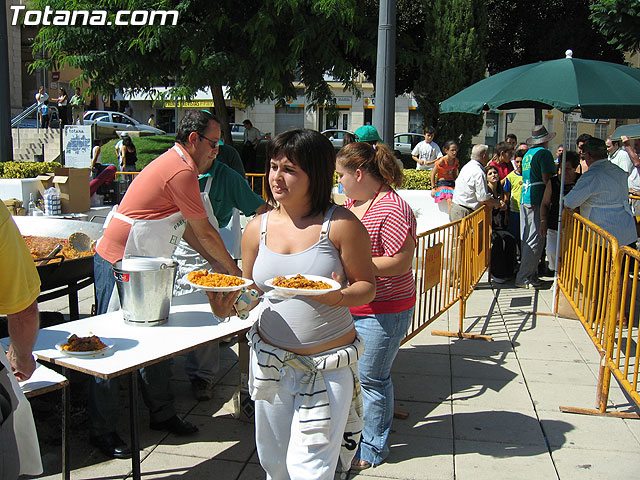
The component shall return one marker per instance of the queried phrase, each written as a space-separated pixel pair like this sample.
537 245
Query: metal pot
145 294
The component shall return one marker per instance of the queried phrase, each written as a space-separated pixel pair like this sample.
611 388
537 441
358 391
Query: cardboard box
46 181
73 184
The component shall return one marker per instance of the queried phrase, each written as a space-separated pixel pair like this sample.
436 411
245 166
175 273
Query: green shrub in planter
413 179
26 169
416 179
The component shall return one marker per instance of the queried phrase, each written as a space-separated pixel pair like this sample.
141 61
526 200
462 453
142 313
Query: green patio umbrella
597 89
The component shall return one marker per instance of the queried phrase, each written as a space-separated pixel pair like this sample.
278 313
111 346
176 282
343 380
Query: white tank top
299 322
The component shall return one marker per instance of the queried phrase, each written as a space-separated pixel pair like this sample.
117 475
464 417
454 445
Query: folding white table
191 325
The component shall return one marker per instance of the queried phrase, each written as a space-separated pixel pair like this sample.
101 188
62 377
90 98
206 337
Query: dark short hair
582 138
193 121
520 153
428 130
504 147
315 155
247 121
573 158
512 136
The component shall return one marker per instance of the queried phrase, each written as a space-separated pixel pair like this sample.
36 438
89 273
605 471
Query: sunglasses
212 144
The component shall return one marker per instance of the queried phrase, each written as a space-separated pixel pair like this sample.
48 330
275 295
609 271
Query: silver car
336 136
118 121
404 143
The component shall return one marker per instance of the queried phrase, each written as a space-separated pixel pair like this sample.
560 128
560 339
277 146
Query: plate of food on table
298 284
216 282
77 346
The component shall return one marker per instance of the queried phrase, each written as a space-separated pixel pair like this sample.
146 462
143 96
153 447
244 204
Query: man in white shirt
471 191
618 156
426 152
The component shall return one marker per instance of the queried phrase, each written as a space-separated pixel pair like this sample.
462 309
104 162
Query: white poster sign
77 146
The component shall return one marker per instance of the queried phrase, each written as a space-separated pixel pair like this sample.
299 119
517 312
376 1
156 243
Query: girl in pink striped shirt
367 174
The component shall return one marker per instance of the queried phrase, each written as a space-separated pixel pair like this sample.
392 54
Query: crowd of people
320 366
522 186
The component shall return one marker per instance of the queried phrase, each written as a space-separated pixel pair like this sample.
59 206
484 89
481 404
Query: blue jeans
382 334
104 395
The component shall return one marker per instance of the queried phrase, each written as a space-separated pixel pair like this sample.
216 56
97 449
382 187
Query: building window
601 131
572 134
368 116
415 121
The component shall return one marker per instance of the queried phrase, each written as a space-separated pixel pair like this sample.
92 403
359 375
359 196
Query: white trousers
278 438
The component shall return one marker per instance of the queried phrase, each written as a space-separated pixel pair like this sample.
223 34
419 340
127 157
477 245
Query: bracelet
339 300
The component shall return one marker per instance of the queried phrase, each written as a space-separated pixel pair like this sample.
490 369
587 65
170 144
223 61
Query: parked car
237 133
404 143
336 136
118 121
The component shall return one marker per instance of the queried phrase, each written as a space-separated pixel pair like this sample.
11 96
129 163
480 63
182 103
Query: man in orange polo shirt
162 205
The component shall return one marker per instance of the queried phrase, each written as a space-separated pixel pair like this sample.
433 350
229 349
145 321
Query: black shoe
174 425
111 445
202 389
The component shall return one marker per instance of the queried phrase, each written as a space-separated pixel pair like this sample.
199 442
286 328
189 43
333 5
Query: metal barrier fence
436 267
585 272
449 262
622 350
600 282
258 183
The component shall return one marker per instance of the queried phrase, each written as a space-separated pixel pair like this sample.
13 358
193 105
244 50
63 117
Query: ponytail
377 160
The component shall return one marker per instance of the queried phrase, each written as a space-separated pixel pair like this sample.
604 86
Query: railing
17 120
449 263
258 183
436 269
600 282
588 254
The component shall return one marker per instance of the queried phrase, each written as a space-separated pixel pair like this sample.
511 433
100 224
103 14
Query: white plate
106 341
233 288
306 291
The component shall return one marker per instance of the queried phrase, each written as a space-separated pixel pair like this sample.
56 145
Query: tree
439 51
619 21
257 49
527 32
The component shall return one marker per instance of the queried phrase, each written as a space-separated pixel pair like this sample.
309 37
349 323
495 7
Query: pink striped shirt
388 222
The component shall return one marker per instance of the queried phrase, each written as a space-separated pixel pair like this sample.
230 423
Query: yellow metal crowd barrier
600 281
584 276
258 183
448 264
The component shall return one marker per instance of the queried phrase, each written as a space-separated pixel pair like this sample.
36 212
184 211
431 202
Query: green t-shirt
535 162
229 190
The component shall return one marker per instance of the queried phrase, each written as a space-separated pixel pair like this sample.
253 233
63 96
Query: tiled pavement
476 409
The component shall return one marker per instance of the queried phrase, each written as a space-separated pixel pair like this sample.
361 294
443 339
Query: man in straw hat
537 168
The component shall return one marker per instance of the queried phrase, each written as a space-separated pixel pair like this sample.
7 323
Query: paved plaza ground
477 409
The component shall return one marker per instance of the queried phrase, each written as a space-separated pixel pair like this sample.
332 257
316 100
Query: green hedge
413 179
416 179
26 169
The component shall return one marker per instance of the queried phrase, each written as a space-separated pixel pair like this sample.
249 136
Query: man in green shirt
537 168
77 106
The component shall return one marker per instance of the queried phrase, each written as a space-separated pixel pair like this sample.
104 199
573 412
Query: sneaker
202 389
498 280
530 285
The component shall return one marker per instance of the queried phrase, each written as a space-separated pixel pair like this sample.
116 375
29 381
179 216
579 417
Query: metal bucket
145 289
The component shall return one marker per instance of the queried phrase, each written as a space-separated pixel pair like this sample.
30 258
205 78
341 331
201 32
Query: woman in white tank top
298 435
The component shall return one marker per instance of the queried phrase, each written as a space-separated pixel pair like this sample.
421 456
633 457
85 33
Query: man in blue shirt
601 194
537 168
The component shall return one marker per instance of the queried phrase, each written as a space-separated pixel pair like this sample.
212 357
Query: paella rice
299 281
206 279
83 344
